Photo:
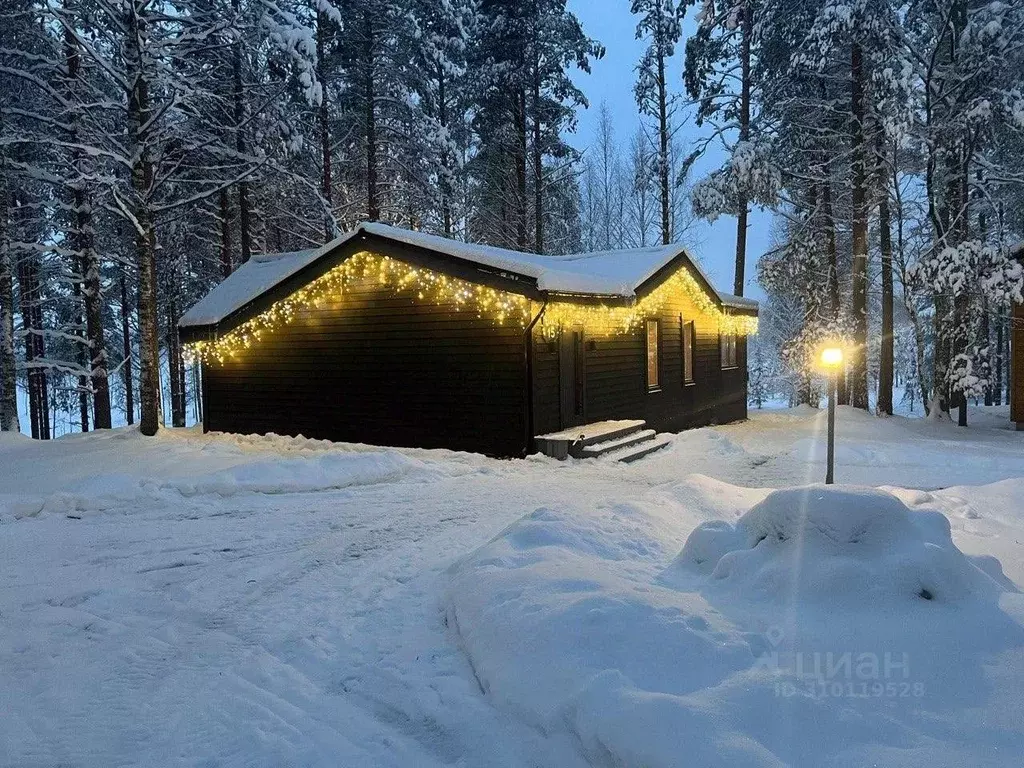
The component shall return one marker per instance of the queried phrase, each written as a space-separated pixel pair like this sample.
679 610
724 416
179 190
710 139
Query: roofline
340 249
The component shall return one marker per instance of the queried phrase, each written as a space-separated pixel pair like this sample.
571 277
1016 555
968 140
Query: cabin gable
616 379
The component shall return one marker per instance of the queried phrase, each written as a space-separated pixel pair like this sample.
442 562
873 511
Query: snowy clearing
223 600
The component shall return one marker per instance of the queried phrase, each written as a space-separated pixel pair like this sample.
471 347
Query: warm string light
438 288
616 318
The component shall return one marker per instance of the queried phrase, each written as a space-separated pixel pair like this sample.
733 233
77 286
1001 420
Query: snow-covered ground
220 600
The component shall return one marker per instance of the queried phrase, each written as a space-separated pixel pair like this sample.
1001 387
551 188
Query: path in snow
269 601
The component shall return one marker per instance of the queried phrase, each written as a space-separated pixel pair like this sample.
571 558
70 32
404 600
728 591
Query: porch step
646 448
573 440
626 441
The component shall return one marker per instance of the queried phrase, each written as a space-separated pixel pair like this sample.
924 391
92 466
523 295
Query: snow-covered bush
860 549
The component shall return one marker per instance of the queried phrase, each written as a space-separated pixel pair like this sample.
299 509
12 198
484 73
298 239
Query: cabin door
572 373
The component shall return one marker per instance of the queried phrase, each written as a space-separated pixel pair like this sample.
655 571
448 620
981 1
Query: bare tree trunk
997 380
149 349
89 263
961 302
831 250
986 330
538 159
145 236
886 355
238 95
126 366
372 201
446 181
859 271
666 221
82 355
176 366
42 379
35 349
324 127
520 160
741 220
197 388
95 333
8 365
25 292
224 215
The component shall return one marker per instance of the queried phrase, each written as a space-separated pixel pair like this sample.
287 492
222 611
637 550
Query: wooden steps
622 440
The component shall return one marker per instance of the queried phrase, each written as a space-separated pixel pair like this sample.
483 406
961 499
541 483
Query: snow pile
849 548
307 474
824 626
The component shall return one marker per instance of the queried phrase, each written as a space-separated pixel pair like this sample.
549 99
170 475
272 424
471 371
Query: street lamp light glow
832 357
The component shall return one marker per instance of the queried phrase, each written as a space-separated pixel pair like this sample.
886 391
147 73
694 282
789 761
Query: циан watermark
838 674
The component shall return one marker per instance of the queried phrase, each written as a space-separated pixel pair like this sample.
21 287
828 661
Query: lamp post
831 361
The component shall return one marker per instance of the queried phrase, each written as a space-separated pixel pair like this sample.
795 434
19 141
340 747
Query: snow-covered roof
255 277
603 273
606 273
736 302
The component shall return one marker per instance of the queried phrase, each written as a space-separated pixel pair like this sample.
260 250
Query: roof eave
340 251
749 311
576 297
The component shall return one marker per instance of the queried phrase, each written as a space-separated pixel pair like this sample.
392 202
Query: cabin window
686 339
652 354
727 341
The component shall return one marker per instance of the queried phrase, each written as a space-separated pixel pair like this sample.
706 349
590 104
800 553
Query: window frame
654 386
728 355
687 341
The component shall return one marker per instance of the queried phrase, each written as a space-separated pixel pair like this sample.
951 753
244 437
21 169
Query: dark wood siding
546 403
379 368
616 366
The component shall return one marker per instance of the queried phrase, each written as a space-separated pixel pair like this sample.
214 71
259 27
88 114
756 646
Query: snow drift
309 471
823 626
848 548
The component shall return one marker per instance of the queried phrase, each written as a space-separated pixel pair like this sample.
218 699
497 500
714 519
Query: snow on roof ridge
608 273
265 257
601 273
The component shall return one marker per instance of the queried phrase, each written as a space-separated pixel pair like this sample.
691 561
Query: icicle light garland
437 288
611 319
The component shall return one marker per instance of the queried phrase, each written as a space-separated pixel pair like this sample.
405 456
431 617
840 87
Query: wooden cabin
393 337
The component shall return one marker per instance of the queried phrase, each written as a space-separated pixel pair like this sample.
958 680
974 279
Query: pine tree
526 103
723 51
659 24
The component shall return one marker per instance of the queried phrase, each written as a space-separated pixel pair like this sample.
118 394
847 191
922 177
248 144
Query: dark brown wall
383 369
616 366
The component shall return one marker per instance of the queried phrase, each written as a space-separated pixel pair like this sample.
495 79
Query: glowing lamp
832 357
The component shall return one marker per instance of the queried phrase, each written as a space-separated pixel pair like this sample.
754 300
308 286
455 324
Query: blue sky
611 81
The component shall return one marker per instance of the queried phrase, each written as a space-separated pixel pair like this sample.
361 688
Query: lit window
727 341
652 354
687 341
